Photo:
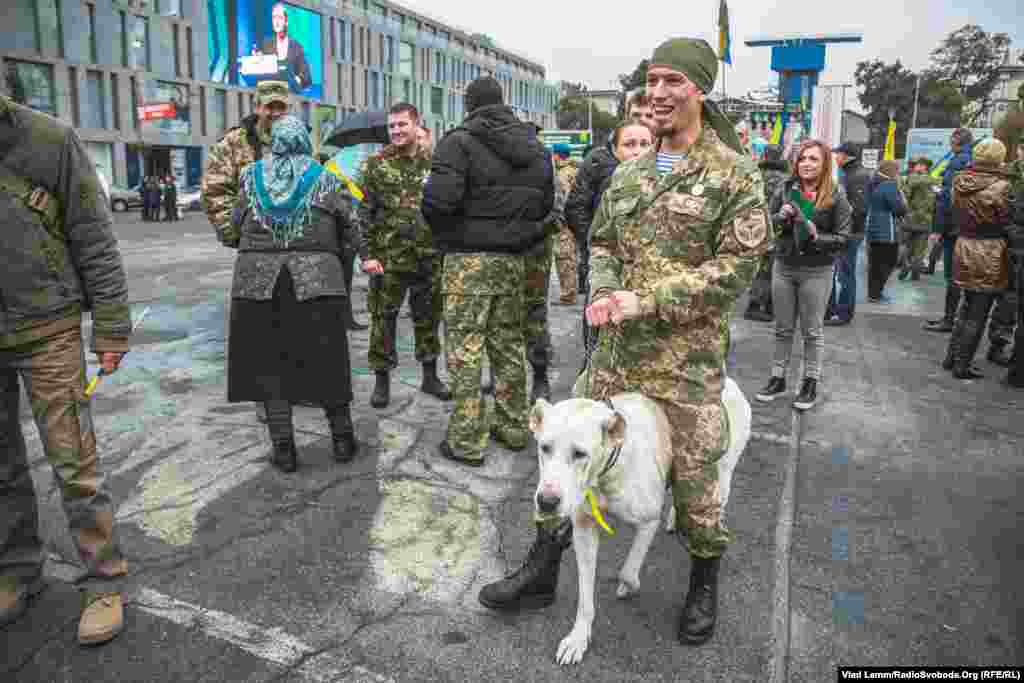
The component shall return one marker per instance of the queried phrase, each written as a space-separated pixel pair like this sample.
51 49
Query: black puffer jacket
490 185
854 180
591 179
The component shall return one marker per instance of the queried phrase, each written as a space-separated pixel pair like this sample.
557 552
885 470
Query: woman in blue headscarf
286 336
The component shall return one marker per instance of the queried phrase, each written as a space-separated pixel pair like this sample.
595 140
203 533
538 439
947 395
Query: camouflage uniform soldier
1005 316
60 258
920 190
674 243
398 250
490 191
239 147
565 176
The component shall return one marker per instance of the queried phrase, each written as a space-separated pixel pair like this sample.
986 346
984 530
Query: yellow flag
352 187
777 131
890 142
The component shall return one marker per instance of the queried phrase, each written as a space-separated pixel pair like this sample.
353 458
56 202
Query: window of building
218 107
31 84
341 82
115 96
375 93
188 49
48 23
241 106
334 38
439 68
361 46
26 39
405 59
177 94
378 9
175 47
352 84
169 8
343 39
73 92
202 111
92 33
389 53
138 42
133 91
387 92
366 88
407 91
95 113
437 101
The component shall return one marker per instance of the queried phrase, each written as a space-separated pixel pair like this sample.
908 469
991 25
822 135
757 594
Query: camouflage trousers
475 324
566 260
535 298
387 293
53 371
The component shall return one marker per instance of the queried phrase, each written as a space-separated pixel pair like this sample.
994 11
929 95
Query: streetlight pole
917 92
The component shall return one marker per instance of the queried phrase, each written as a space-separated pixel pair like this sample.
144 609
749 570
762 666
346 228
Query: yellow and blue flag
890 142
724 39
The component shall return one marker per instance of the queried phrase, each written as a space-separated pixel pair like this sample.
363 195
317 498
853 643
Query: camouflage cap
272 91
691 56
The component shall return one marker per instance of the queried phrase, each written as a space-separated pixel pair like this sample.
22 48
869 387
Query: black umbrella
362 128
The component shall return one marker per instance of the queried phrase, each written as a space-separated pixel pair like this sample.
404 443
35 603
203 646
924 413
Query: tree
573 113
970 58
890 87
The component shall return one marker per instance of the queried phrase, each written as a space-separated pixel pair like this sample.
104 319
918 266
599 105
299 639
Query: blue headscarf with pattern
280 190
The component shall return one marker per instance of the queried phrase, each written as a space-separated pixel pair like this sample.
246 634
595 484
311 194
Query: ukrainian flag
724 41
890 142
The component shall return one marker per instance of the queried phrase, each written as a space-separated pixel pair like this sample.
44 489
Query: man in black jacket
853 178
775 172
488 194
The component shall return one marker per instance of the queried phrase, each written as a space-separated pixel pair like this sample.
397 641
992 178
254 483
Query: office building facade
150 84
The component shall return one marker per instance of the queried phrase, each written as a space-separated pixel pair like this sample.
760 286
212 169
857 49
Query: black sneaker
776 387
808 395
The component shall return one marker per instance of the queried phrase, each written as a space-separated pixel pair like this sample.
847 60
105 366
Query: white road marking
268 643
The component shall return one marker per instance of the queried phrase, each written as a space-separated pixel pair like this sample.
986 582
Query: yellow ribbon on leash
595 511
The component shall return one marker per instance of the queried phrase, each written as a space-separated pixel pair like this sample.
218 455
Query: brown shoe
102 618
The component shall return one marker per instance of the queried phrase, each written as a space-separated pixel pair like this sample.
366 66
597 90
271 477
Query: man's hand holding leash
615 308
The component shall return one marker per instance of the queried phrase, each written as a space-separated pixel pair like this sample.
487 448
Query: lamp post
917 93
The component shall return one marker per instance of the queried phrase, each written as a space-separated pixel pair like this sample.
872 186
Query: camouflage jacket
392 228
59 252
921 190
564 174
687 243
221 182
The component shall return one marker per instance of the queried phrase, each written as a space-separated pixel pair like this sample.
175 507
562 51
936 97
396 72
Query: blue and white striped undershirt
666 161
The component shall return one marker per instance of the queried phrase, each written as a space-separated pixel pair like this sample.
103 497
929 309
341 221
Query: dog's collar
613 459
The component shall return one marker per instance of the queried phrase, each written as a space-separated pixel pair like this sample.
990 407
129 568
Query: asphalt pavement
880 528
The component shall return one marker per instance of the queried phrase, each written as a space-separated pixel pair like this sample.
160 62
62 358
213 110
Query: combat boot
381 389
533 585
541 388
102 618
1000 355
343 433
14 601
945 323
432 384
700 609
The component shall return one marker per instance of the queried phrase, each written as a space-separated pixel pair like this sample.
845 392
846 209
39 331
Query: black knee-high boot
977 305
282 435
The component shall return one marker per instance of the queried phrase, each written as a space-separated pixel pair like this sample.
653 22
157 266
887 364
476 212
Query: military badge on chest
751 229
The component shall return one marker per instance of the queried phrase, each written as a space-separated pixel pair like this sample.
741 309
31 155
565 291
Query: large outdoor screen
278 41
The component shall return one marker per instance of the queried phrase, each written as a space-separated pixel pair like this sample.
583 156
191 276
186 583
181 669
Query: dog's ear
537 414
615 428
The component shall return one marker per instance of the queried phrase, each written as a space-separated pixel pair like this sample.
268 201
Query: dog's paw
627 588
573 646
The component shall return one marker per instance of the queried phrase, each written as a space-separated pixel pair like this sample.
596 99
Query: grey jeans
800 291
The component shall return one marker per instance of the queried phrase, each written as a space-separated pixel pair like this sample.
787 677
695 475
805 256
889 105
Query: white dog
617 460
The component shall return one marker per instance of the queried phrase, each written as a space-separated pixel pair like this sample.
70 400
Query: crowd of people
661 230
159 193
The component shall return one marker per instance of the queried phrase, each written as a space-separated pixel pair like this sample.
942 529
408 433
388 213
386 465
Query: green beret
691 56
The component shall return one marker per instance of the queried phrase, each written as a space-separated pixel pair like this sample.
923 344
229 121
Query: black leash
613 459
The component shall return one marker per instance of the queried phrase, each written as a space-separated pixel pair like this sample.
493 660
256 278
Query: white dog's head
574 440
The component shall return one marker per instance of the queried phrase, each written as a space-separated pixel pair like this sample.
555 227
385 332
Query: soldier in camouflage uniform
60 258
398 251
565 176
490 190
674 243
920 190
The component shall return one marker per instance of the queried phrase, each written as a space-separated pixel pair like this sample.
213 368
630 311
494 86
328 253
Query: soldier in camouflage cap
674 243
240 146
60 258
565 176
398 251
921 190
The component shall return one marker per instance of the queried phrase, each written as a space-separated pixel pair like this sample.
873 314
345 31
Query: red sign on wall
165 110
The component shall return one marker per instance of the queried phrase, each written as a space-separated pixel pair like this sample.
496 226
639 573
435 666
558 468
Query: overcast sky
577 42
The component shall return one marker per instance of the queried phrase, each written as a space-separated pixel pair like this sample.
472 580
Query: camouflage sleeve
220 192
712 288
370 248
92 248
605 251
